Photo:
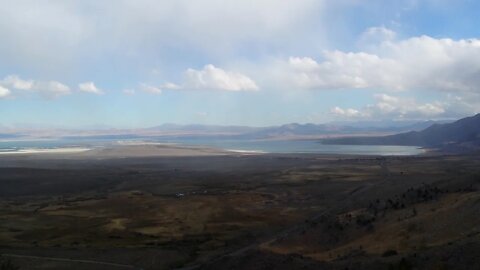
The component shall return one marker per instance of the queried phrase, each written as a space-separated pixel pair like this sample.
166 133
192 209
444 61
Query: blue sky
143 63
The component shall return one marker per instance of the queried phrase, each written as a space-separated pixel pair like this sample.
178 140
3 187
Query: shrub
389 253
6 264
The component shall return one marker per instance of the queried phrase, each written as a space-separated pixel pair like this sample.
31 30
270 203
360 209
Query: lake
260 146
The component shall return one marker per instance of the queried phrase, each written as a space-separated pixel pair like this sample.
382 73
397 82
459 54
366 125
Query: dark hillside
464 132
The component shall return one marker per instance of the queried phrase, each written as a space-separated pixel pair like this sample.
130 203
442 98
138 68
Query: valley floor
234 211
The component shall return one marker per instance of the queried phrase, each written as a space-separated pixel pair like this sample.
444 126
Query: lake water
261 146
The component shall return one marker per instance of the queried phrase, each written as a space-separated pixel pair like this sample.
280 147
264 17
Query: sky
130 64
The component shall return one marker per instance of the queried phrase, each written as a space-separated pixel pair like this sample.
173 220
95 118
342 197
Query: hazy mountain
292 130
197 128
289 130
388 125
339 128
462 133
9 136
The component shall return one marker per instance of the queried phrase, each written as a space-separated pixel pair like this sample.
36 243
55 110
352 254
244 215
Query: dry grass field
240 212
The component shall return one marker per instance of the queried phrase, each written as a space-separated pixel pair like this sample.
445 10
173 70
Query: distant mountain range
461 134
287 131
9 136
294 129
339 128
204 129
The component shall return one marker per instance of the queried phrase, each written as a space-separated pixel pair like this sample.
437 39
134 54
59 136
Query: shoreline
152 149
63 150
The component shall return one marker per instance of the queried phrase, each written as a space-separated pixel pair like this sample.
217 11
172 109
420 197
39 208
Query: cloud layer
292 58
418 63
76 31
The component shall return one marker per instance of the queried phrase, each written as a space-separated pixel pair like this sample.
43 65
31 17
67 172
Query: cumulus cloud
388 107
4 92
345 112
17 83
47 89
213 78
418 63
90 87
387 104
343 70
150 89
52 89
207 78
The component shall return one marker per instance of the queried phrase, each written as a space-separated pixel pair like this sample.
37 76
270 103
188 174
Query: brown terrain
231 211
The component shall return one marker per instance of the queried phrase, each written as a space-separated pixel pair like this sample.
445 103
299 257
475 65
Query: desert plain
169 207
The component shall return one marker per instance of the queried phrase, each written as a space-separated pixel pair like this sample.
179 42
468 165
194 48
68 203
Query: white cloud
129 91
4 92
467 104
170 86
208 78
47 89
431 109
52 89
388 107
150 89
157 90
66 31
17 83
378 34
342 70
40 36
418 63
345 112
213 78
90 87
